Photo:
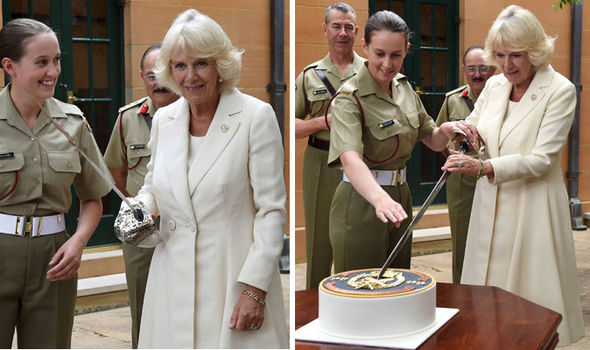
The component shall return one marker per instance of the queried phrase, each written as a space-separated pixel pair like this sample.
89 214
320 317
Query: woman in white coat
216 181
520 238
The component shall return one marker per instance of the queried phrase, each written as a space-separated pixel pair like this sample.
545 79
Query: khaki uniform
386 137
37 170
319 182
460 187
128 148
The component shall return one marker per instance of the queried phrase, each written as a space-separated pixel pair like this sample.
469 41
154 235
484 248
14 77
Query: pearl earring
219 80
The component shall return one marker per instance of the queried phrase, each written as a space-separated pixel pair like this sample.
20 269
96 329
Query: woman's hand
67 258
248 312
69 255
387 209
458 162
460 127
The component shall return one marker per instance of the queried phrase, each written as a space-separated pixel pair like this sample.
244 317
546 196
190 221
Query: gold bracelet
253 295
480 170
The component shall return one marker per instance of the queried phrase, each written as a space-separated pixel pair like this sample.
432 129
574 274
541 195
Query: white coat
221 225
520 238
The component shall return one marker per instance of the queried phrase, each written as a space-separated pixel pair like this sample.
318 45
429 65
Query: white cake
403 302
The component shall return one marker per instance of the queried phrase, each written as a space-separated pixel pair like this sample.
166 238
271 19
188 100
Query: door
90 33
431 67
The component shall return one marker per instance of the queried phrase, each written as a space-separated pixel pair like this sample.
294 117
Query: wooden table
488 318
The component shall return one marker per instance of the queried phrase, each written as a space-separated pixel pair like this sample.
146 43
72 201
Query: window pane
80 18
81 77
426 25
426 70
99 19
100 61
441 25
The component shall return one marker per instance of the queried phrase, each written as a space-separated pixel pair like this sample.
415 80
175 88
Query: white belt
386 177
35 225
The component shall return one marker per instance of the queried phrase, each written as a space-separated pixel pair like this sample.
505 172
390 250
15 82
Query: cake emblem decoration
369 280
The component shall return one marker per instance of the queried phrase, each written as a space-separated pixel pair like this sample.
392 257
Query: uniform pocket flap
11 161
65 162
413 119
138 150
385 129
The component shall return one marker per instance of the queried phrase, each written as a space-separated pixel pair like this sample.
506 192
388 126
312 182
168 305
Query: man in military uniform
458 105
314 88
127 156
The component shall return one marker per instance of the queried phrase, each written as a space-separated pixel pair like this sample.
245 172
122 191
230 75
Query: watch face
364 283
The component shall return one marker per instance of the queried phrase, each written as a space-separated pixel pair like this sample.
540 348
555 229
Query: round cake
355 304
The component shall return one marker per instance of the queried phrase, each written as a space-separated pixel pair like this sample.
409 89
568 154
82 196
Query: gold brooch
224 128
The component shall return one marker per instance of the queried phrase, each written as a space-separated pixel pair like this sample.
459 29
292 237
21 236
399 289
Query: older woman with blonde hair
216 181
520 238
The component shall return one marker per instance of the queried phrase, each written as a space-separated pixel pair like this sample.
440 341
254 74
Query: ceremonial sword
464 147
137 213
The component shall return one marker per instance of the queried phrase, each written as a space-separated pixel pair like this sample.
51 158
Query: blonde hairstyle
517 29
198 36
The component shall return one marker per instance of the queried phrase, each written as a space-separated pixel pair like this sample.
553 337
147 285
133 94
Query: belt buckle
28 228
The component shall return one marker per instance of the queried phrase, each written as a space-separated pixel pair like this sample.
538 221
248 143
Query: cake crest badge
365 283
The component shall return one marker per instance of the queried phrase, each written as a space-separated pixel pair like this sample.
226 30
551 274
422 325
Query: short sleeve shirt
311 95
38 168
127 147
383 129
454 107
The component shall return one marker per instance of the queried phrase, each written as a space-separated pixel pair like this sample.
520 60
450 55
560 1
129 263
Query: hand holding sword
465 145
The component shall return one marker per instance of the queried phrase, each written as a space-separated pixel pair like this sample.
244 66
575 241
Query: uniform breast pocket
64 166
382 140
135 152
317 102
10 164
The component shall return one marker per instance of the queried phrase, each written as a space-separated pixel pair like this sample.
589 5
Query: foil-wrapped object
128 228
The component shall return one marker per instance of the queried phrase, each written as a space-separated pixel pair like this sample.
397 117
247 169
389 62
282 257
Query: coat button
69 165
171 225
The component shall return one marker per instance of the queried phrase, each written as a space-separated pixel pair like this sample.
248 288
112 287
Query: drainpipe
277 86
574 134
277 89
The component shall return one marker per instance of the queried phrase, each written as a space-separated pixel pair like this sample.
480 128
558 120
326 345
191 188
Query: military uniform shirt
392 125
128 144
37 168
318 96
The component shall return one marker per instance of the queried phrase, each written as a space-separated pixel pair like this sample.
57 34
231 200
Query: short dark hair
342 7
153 47
15 34
471 48
387 20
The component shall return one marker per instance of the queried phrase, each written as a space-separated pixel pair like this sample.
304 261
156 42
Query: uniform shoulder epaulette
457 90
313 65
348 88
69 108
132 104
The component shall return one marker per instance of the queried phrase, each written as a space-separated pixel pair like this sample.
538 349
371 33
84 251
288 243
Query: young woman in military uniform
38 165
377 118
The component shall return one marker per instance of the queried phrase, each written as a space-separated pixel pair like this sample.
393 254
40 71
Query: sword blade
415 220
137 212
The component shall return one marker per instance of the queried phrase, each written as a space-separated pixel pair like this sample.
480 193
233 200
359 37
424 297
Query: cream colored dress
520 236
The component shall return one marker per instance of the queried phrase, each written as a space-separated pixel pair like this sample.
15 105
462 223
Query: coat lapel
174 137
533 95
490 123
222 129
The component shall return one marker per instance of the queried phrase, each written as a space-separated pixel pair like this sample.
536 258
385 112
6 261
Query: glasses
151 77
481 69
